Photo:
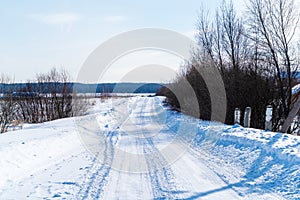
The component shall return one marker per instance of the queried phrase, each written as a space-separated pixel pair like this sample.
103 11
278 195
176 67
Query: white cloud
56 18
64 20
115 18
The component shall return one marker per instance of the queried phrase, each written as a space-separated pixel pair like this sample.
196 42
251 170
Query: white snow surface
137 148
296 89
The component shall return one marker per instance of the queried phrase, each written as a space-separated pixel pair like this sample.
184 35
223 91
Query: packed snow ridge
137 148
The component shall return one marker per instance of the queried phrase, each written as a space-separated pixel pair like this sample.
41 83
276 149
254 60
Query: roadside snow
252 161
27 151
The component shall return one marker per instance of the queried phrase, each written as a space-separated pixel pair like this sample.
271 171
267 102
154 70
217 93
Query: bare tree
205 34
223 39
272 24
234 42
7 104
50 97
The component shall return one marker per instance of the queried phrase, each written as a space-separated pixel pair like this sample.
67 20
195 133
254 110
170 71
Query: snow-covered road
136 148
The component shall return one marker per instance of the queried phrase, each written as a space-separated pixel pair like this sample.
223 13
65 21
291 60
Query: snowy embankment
49 160
253 161
250 161
29 150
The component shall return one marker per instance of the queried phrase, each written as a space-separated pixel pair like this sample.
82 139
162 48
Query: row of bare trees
53 99
7 105
272 27
255 54
47 98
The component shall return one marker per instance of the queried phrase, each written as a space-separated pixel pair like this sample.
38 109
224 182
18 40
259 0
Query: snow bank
264 161
26 151
250 161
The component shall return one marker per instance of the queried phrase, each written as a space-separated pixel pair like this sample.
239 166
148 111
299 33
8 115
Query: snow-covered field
136 148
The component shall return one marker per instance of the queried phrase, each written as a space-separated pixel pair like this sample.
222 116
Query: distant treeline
44 88
53 96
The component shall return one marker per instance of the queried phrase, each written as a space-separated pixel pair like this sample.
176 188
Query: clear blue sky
39 35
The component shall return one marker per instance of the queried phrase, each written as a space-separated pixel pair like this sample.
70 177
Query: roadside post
237 116
268 123
247 117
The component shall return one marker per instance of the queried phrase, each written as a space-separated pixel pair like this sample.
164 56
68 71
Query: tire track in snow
95 182
160 174
94 185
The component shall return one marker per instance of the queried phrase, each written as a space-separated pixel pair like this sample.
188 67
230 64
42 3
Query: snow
136 148
296 89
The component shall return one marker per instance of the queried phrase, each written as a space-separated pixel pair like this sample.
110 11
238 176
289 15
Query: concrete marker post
237 116
268 123
247 117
